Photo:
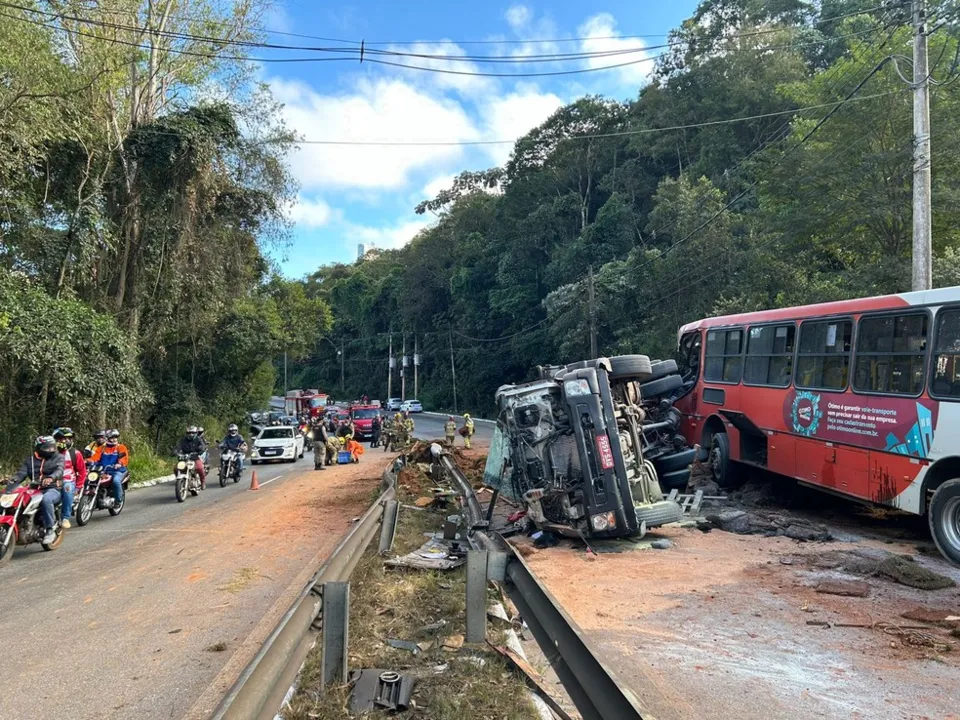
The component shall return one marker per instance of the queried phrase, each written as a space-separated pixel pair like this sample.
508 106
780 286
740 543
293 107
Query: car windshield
276 434
368 414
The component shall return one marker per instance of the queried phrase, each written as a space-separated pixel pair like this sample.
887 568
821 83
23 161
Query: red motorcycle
98 495
20 521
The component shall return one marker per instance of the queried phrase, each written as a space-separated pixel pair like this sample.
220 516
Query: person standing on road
468 426
320 438
450 430
408 427
44 468
74 471
376 426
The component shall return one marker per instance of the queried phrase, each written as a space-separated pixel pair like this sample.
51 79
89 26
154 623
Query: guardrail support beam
476 596
388 526
335 634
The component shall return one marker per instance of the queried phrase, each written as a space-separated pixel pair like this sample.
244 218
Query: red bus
857 397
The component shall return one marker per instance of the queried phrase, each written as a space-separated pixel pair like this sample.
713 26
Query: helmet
466 416
99 436
450 418
199 431
45 446
113 436
64 438
233 430
192 431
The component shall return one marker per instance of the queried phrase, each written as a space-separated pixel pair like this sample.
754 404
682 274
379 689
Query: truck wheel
630 367
663 368
660 386
944 518
658 513
719 457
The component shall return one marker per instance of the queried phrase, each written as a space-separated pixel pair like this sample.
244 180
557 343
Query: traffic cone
254 485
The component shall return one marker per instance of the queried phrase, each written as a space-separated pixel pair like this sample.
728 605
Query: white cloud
469 85
384 110
389 237
518 16
596 32
511 116
310 213
435 186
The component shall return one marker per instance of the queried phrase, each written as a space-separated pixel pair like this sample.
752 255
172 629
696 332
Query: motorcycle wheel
85 509
8 544
117 509
55 544
223 478
181 489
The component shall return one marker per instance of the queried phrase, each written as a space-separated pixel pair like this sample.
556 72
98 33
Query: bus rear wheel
944 518
719 459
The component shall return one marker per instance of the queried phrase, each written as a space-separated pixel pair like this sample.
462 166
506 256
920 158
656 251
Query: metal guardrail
261 688
593 688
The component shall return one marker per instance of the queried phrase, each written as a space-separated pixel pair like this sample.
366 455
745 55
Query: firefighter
468 426
450 430
408 427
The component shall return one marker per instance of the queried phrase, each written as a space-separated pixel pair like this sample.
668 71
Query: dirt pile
868 562
769 524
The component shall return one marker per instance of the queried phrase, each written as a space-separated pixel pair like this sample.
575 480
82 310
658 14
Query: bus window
724 362
890 354
770 355
688 357
946 355
823 357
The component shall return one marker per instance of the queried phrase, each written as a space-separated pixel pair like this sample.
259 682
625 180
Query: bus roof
840 307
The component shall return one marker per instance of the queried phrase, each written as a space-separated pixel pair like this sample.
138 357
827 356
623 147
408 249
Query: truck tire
944 518
663 368
672 462
660 386
658 513
630 367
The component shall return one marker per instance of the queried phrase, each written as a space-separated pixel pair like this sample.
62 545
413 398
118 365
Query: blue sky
361 194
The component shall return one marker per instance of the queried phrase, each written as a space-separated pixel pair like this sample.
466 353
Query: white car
413 406
278 442
394 403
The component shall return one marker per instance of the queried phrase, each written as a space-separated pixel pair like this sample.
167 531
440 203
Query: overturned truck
590 447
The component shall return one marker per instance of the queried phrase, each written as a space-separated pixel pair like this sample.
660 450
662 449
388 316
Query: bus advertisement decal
898 425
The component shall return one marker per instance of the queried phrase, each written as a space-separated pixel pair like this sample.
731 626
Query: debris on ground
453 643
435 554
933 616
760 522
374 688
870 562
662 544
845 588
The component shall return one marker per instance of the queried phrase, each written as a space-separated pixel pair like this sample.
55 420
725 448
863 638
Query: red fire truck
305 402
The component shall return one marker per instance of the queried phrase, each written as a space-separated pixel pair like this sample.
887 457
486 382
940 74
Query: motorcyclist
206 450
74 471
468 425
192 443
99 439
44 468
234 441
113 455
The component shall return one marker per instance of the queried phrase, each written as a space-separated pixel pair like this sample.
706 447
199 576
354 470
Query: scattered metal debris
378 688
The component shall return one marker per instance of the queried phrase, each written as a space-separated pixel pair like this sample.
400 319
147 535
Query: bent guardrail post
476 596
335 632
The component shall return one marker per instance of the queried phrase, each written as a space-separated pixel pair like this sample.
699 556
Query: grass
397 604
241 578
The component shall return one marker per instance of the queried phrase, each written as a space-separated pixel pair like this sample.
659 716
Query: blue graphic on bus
918 439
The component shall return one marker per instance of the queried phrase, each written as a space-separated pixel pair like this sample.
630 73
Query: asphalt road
431 428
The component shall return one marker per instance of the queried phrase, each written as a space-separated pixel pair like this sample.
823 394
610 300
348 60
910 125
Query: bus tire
661 386
943 514
630 367
719 458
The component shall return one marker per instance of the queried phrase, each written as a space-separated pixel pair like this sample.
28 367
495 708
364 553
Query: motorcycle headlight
181 465
7 500
92 476
310 435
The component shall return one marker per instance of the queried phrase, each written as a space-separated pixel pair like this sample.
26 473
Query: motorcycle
97 494
20 521
186 477
230 464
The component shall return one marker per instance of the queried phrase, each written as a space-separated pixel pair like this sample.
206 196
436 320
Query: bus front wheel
944 518
720 460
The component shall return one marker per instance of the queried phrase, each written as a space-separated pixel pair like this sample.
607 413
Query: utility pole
922 215
592 310
390 368
342 361
416 369
403 370
453 374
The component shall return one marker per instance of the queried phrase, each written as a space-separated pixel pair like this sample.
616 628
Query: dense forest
768 163
136 208
144 183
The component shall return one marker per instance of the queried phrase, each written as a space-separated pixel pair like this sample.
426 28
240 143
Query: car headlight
603 521
7 500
